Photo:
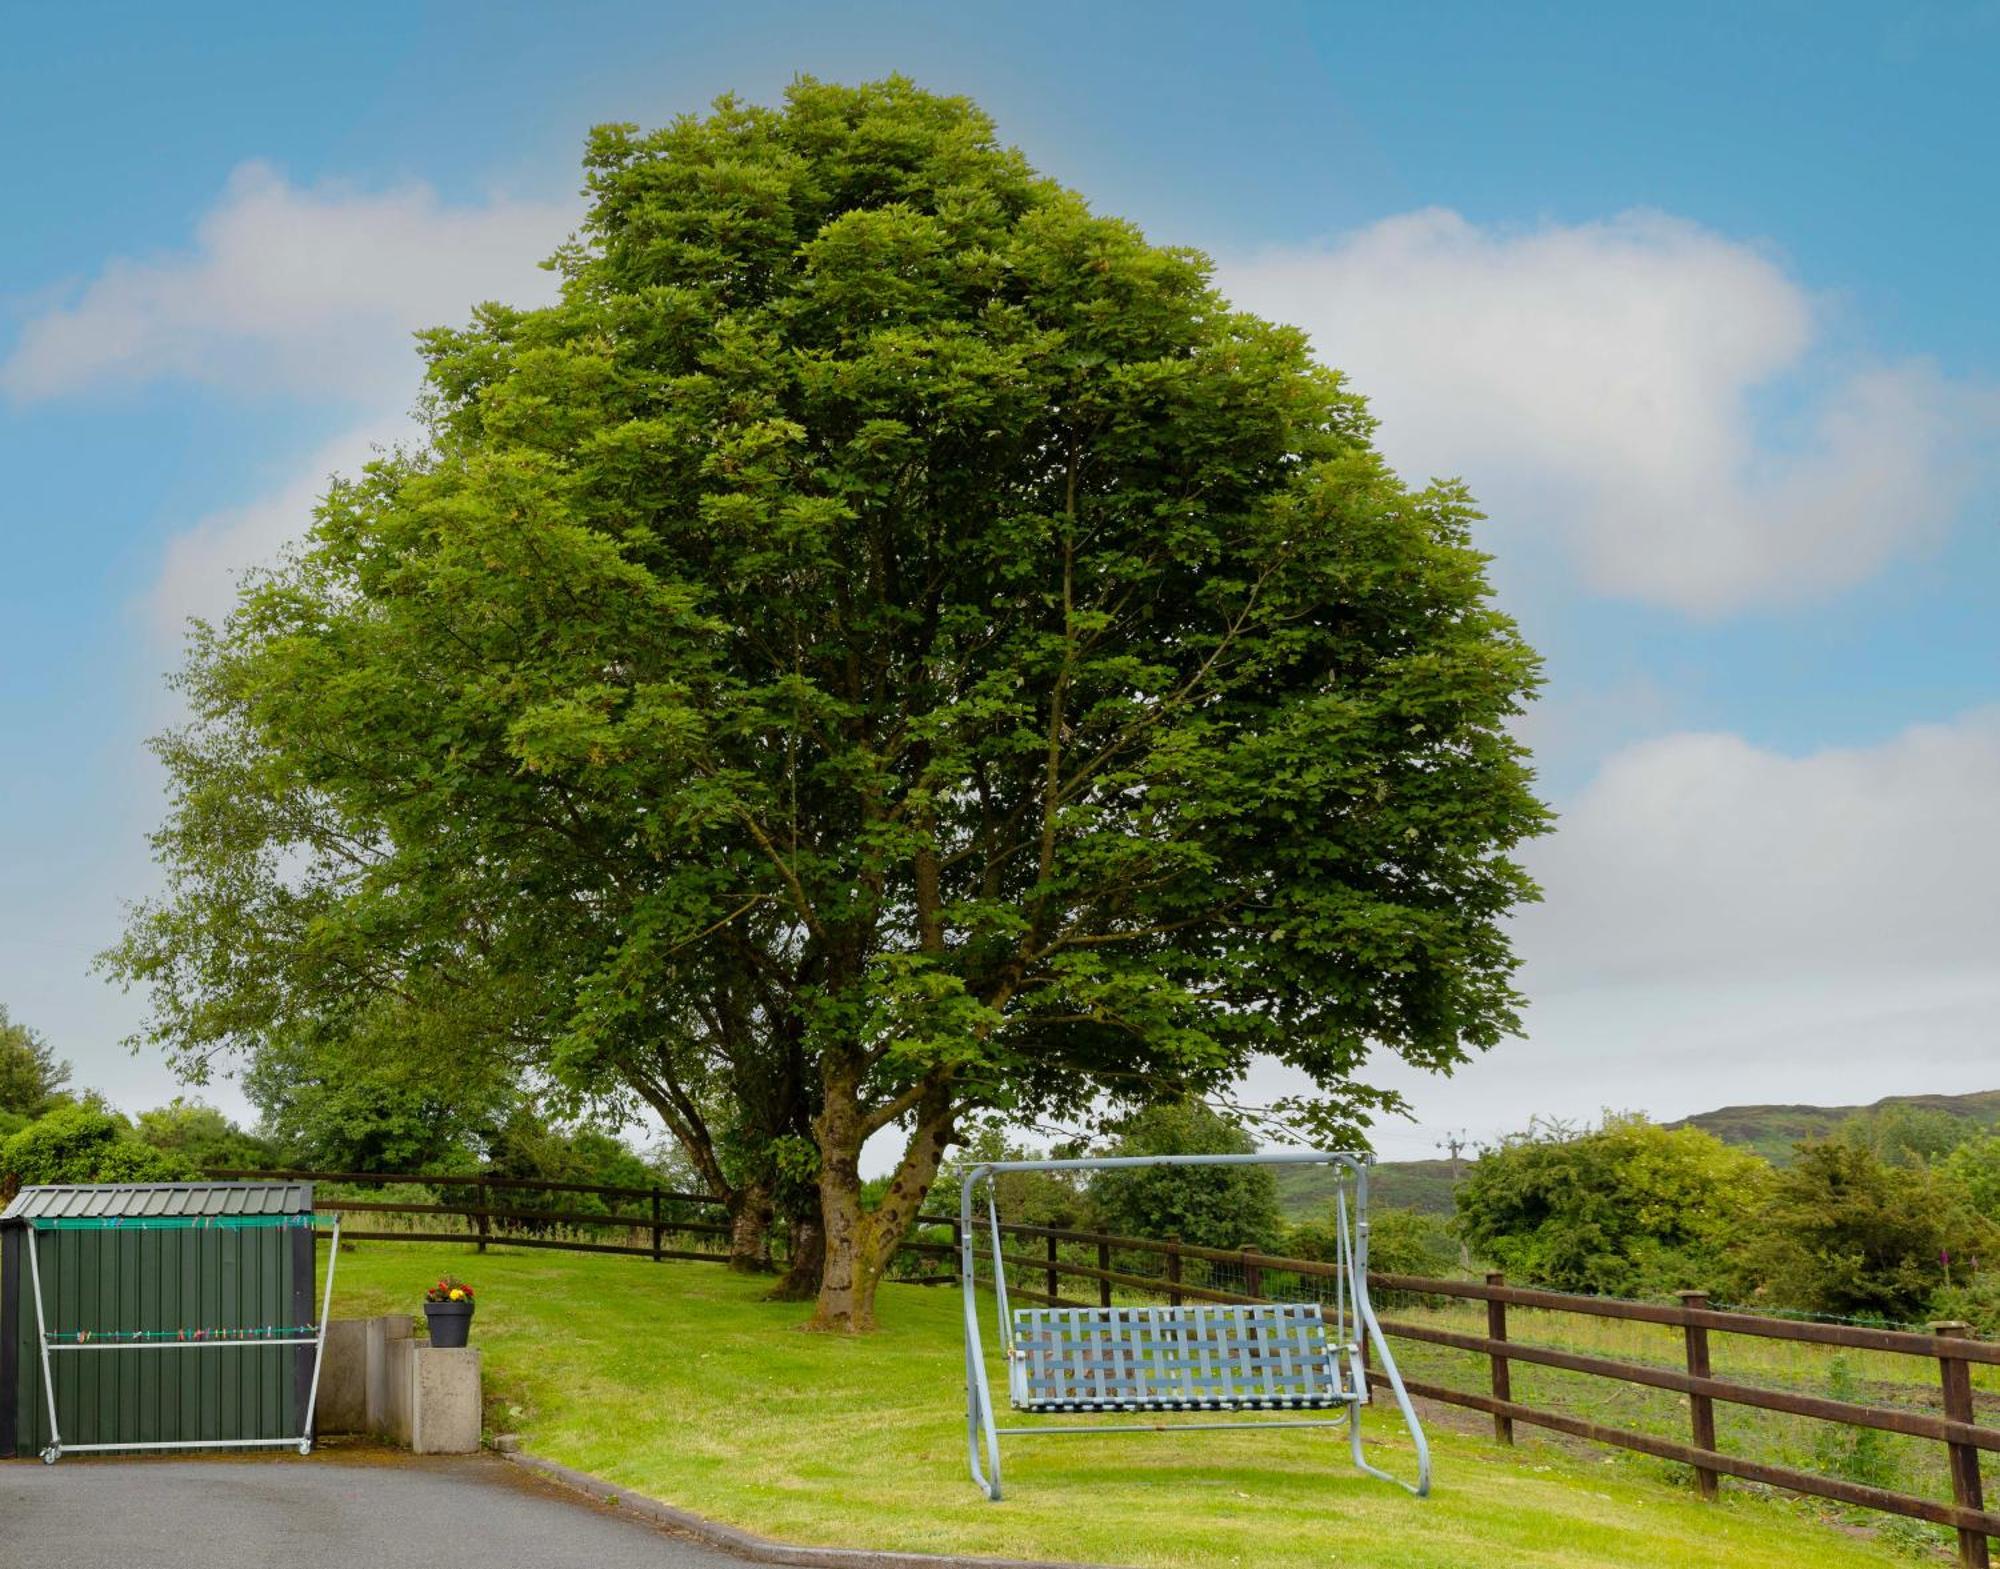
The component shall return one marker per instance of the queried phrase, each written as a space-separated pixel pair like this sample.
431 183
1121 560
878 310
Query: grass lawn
677 1381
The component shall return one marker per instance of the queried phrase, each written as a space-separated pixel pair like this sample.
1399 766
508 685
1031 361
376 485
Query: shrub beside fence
1064 1267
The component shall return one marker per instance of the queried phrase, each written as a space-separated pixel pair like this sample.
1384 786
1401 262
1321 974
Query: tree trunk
860 1245
750 1215
800 1282
846 1289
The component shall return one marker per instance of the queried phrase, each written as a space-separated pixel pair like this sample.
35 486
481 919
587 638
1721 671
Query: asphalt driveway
331 1511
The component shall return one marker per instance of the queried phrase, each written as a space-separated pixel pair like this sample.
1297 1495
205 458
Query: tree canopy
889 643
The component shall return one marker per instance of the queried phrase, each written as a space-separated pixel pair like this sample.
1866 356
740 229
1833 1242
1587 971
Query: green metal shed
204 1290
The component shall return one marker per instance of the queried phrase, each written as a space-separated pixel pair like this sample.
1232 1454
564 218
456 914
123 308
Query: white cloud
312 291
1608 382
1725 923
1701 859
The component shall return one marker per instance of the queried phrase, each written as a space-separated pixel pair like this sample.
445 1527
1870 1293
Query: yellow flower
457 1295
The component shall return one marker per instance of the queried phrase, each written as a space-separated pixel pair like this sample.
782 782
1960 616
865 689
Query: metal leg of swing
1422 1486
978 1428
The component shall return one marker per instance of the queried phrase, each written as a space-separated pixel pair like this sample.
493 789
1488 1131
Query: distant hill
1305 1191
1772 1130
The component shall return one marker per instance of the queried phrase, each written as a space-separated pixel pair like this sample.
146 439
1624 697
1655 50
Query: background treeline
341 1117
1890 1215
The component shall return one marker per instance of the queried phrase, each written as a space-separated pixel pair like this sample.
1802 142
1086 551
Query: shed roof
130 1200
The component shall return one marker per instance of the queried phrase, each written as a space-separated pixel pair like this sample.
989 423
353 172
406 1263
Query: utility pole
1454 1145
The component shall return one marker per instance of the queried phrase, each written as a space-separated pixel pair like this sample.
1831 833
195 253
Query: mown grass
678 1381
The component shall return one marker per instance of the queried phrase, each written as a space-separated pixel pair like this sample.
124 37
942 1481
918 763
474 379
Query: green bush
202 1137
1975 1166
1843 1232
1627 1209
82 1142
1400 1242
1976 1302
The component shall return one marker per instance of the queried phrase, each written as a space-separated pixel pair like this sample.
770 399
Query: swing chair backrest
1225 1357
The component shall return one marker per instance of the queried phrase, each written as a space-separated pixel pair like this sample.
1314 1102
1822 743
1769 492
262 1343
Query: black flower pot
450 1323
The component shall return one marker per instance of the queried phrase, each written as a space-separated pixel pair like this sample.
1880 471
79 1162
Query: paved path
327 1512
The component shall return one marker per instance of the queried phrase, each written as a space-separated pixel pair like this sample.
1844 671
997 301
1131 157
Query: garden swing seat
1221 1357
1229 1359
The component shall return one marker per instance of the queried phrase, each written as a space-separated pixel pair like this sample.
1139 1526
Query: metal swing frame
1354 1319
51 1344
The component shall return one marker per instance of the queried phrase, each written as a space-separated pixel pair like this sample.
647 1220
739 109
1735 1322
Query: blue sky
1695 298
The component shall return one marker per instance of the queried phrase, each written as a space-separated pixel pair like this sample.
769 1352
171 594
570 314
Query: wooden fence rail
1950 1345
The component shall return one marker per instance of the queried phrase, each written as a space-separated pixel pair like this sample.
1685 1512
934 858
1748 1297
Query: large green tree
888 643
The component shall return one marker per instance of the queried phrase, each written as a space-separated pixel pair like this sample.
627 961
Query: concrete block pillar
378 1380
382 1332
445 1402
343 1378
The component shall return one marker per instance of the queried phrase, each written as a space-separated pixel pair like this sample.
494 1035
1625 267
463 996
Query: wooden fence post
1104 1268
656 1223
1253 1274
1055 1276
1173 1271
1503 1378
482 1222
1701 1408
1956 1375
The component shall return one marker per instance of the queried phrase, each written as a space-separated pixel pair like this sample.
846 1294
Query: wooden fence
1053 1257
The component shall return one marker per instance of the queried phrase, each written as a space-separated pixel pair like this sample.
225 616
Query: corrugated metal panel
222 1278
162 1198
